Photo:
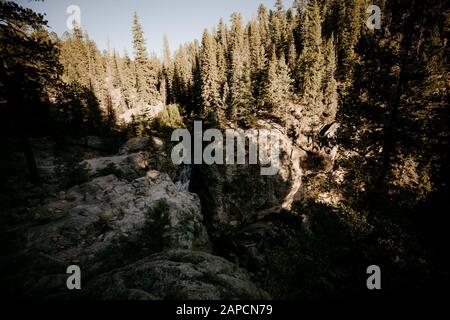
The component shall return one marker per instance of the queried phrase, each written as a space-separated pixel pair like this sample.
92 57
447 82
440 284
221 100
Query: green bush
156 223
170 118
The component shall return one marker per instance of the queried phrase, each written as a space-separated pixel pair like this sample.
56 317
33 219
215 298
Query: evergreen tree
97 64
240 88
311 66
351 17
280 29
258 62
264 27
222 56
129 79
278 92
394 95
74 57
182 77
29 72
146 70
209 77
167 56
330 94
292 55
119 82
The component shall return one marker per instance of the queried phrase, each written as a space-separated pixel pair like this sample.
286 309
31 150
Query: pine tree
146 71
118 81
163 90
264 27
279 29
209 77
222 55
244 101
292 55
74 57
167 56
222 35
29 66
96 71
129 79
117 76
111 99
240 88
394 95
182 77
278 92
330 94
311 66
258 61
109 83
350 21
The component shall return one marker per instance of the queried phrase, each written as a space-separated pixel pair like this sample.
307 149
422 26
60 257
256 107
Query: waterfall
185 178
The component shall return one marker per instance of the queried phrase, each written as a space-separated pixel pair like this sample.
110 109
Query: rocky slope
177 274
136 236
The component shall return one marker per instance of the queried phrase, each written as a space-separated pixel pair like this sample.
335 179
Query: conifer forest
358 206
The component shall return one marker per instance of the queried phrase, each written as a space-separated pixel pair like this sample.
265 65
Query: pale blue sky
181 20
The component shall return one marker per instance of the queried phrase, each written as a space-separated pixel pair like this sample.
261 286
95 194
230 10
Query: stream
185 178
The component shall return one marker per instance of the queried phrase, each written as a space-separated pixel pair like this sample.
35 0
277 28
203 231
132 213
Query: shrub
170 118
156 223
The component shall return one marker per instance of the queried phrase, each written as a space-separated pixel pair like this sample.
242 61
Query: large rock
239 194
97 216
129 165
137 144
178 274
134 145
141 111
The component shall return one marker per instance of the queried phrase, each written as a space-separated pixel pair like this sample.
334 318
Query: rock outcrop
178 274
130 165
239 194
133 238
143 111
91 218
